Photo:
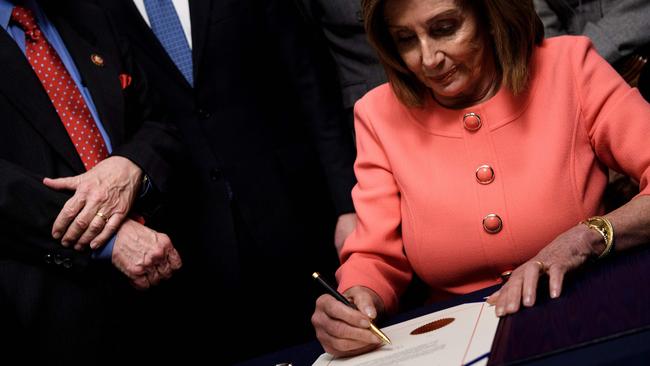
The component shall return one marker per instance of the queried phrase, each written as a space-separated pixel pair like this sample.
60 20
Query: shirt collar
7 6
5 13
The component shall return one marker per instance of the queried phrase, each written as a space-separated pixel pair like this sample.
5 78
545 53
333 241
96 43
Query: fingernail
94 245
370 312
65 243
499 311
554 294
511 307
364 323
528 301
56 235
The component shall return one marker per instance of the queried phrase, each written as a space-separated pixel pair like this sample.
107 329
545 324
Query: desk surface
602 318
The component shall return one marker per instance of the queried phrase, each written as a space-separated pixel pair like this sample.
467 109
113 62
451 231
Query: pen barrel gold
379 333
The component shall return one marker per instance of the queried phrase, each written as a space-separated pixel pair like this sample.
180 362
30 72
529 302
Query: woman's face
443 45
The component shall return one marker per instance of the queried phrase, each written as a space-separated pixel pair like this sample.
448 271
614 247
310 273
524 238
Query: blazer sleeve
552 23
373 256
624 27
309 69
615 115
27 211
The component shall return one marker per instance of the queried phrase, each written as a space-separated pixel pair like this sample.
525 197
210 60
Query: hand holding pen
340 327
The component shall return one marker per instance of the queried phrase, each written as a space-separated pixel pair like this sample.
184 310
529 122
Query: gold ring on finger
542 266
101 214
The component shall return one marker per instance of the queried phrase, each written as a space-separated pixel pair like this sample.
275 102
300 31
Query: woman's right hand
344 331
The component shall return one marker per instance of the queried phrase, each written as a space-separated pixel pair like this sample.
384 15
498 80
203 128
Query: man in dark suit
66 75
268 171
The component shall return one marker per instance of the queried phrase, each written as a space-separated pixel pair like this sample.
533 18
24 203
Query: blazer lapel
23 88
200 16
130 17
101 80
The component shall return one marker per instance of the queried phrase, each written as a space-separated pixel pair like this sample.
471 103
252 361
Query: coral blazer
460 198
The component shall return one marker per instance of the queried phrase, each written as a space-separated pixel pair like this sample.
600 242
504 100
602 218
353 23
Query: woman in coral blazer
481 157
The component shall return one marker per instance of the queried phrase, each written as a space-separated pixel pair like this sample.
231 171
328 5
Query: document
460 335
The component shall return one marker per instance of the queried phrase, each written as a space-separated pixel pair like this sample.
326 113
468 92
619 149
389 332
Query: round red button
492 223
485 174
472 121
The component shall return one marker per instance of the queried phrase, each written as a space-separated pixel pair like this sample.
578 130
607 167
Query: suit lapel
101 80
130 17
200 16
23 88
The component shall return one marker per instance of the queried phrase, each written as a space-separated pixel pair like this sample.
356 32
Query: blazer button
49 258
58 259
485 174
203 114
492 223
360 16
472 122
67 263
215 174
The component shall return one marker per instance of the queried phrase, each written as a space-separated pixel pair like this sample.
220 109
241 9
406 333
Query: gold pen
341 298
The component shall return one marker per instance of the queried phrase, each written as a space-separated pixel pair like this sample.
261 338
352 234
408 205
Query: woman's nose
431 55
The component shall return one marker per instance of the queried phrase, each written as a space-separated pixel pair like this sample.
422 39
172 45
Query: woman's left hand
567 252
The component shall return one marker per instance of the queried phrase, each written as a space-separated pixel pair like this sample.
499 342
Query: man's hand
102 199
344 227
144 255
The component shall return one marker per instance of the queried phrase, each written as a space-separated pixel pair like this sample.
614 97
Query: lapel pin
97 59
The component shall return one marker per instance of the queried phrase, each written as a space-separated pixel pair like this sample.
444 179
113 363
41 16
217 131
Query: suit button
49 258
360 16
203 114
67 263
492 223
58 259
485 174
472 122
215 174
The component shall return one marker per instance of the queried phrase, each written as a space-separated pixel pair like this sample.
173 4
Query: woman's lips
444 77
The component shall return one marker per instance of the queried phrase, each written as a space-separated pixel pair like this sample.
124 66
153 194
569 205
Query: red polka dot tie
62 90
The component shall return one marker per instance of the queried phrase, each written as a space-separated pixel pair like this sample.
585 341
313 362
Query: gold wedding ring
101 214
542 266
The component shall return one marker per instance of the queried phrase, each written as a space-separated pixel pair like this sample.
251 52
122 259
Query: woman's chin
453 90
447 93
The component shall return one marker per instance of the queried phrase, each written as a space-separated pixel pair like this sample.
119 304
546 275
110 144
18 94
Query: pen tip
315 274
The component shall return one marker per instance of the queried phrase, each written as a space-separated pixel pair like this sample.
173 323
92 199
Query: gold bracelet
604 227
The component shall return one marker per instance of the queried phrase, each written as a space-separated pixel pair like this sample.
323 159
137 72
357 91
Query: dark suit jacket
55 297
268 165
341 23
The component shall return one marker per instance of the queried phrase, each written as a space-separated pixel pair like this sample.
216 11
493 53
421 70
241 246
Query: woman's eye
444 28
404 38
